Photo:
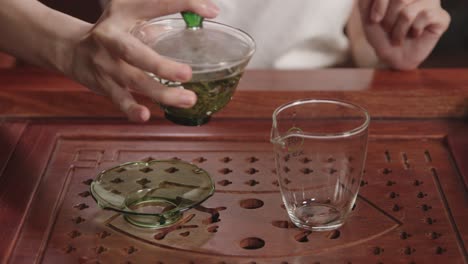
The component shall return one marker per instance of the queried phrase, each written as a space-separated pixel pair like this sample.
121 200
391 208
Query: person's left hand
403 32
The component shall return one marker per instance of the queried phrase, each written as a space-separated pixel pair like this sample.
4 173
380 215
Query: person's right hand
110 61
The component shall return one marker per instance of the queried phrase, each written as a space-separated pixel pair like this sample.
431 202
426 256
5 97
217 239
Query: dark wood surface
413 204
437 93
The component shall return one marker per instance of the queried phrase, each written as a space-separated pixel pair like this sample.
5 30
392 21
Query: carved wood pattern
411 208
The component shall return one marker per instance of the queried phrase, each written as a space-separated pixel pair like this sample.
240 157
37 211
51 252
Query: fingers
124 100
126 47
405 20
393 12
364 10
378 10
416 18
129 76
435 21
142 83
115 79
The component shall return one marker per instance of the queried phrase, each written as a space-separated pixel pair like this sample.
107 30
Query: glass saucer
152 194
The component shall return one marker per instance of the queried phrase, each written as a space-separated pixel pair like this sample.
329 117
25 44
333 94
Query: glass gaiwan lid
152 194
205 46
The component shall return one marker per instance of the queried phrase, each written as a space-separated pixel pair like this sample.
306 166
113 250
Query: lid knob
192 20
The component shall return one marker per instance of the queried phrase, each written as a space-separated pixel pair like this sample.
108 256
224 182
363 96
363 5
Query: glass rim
211 66
101 201
348 133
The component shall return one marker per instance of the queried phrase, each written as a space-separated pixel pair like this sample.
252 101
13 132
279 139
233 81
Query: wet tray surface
407 208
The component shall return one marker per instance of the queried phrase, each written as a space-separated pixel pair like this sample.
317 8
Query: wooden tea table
55 136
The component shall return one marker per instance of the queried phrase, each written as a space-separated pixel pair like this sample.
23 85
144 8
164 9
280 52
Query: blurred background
451 51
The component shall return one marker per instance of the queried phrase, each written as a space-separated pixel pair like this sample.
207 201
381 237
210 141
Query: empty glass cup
320 149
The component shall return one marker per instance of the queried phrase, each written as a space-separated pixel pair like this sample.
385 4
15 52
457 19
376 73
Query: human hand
110 61
403 32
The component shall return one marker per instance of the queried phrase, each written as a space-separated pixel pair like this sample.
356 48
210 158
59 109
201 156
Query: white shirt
296 34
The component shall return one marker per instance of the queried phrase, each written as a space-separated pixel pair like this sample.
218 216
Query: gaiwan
217 53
